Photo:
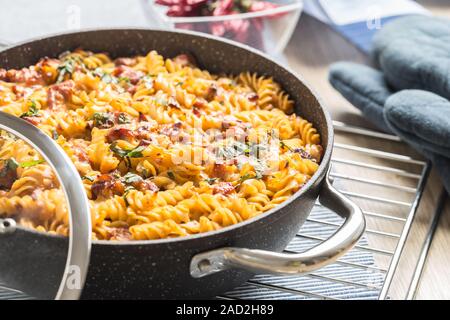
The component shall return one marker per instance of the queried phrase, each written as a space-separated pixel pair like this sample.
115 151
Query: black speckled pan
199 266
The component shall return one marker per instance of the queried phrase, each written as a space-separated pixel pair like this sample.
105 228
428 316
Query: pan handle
261 261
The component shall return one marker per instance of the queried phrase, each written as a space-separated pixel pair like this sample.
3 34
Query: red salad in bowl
263 24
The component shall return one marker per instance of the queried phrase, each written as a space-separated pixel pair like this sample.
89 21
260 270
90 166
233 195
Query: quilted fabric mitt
413 53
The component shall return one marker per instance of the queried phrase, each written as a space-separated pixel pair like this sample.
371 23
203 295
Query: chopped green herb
8 165
12 164
246 176
211 180
127 154
105 77
55 135
136 152
28 164
117 150
124 79
91 179
131 178
171 175
127 190
123 118
66 68
103 119
33 110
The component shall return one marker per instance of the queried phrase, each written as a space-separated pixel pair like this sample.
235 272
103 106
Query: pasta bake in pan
164 148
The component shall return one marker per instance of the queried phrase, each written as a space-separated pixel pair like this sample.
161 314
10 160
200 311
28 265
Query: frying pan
198 266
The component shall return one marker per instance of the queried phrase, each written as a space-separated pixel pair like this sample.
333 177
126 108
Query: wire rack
388 186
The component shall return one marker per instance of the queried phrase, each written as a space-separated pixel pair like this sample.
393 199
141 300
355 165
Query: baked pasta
164 149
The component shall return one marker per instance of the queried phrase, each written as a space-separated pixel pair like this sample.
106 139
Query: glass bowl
268 30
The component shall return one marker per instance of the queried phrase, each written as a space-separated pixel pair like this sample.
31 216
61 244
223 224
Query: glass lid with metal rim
45 226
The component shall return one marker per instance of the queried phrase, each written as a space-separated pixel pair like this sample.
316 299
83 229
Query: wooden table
313 48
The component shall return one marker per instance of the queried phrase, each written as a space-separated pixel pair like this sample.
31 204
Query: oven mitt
409 96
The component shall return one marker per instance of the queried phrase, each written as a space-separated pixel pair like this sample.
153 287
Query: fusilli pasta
164 148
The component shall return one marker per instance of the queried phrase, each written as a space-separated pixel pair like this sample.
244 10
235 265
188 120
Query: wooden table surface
313 48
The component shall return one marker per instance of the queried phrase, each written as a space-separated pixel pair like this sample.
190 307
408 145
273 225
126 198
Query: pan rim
318 175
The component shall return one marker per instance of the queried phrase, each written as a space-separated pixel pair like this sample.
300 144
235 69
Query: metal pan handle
261 261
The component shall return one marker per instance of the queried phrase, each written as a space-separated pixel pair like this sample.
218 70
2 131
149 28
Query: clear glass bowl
268 30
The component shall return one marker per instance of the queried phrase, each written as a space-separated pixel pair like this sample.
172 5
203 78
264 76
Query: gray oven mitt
409 96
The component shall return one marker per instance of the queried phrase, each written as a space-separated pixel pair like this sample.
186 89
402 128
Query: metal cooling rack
367 271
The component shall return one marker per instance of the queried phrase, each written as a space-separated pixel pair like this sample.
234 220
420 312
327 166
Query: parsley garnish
131 178
32 163
103 119
124 79
136 152
127 190
171 175
9 165
105 77
33 110
127 154
66 68
91 179
211 180
123 118
246 176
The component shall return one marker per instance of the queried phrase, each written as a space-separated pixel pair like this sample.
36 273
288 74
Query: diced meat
144 143
252 97
143 117
107 185
33 120
171 102
22 91
3 74
314 152
119 234
212 92
144 185
125 62
7 175
133 75
29 76
185 60
225 188
80 152
119 133
172 130
45 65
143 132
219 170
105 120
200 103
59 93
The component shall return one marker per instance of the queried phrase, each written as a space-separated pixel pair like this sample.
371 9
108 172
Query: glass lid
45 227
